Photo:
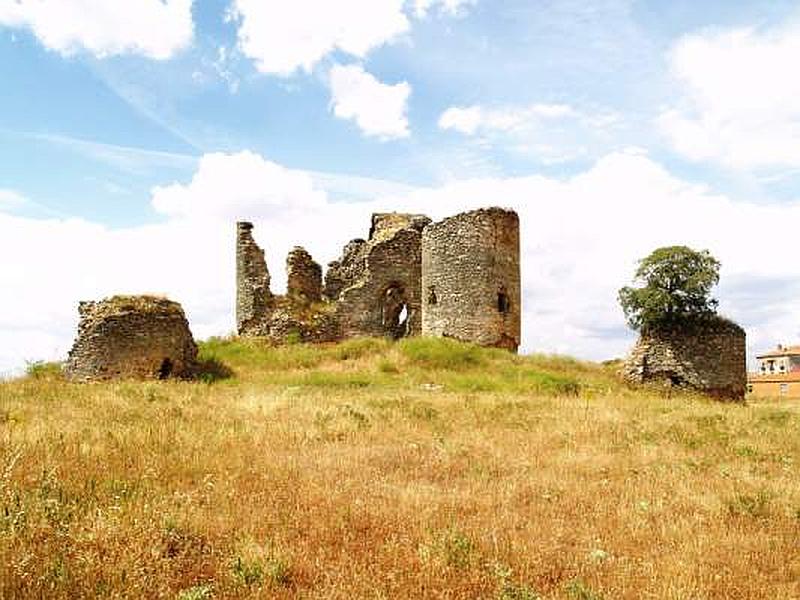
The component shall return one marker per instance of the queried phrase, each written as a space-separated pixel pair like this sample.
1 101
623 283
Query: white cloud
11 199
447 7
551 133
741 97
464 120
469 120
282 37
581 238
153 28
244 185
378 109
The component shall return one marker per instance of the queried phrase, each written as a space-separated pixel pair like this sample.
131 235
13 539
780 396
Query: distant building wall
711 359
471 278
774 386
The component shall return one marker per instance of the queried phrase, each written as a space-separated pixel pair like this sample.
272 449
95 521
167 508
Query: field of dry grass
424 469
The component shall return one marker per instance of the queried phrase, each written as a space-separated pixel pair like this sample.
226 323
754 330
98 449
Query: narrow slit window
503 302
432 299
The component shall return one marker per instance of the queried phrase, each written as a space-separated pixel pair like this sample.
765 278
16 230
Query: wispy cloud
125 158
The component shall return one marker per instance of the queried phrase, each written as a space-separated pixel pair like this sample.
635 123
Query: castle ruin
140 337
382 286
470 278
708 357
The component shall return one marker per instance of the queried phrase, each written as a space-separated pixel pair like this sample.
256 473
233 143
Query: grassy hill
423 469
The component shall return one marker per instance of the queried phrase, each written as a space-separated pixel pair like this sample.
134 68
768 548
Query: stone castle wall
304 277
376 287
471 278
142 337
709 358
385 300
253 296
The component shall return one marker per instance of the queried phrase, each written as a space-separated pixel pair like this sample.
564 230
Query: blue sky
133 135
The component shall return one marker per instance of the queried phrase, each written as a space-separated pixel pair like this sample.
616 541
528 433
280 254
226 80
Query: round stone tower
471 278
141 337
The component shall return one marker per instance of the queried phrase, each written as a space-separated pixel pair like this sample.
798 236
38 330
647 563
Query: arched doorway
395 312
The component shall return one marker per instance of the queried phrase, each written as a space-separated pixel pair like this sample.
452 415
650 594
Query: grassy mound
419 469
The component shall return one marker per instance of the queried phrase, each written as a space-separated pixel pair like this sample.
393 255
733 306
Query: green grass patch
442 353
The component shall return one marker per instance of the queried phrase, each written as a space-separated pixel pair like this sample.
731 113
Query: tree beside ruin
675 289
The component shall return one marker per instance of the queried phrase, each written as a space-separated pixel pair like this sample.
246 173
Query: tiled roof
778 352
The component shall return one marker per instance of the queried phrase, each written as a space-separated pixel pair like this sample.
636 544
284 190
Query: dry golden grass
419 470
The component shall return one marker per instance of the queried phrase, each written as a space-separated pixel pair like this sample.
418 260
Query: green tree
676 290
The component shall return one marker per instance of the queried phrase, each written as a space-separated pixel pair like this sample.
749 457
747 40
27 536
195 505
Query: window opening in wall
503 302
784 389
395 311
402 318
165 370
432 299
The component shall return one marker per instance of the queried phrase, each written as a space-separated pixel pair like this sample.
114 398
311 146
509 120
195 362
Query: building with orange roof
777 373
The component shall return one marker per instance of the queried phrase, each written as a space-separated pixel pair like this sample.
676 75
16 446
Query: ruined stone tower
253 296
708 357
143 337
471 278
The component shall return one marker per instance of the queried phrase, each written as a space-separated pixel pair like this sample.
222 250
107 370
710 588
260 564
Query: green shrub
44 370
752 505
198 592
247 572
210 370
278 571
452 547
388 367
507 589
577 589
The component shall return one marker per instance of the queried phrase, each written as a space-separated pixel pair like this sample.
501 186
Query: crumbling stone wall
378 280
343 273
471 278
141 337
300 315
376 287
253 296
708 357
304 283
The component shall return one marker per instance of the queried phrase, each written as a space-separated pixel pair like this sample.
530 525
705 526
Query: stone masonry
141 337
253 296
469 265
471 278
380 279
304 277
300 315
709 357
